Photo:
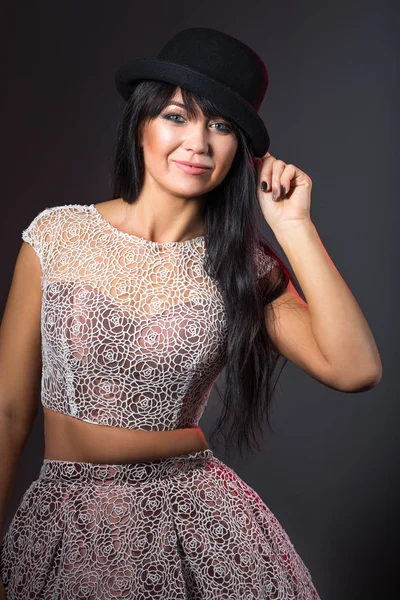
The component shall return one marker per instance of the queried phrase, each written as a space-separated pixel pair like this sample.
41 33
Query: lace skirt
186 527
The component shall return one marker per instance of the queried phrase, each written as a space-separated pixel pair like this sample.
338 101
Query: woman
144 299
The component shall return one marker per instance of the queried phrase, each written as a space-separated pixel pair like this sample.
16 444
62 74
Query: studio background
330 471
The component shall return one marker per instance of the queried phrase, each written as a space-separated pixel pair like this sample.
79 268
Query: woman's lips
191 170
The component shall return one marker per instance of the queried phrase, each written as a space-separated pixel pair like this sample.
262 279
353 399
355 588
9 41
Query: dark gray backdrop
330 472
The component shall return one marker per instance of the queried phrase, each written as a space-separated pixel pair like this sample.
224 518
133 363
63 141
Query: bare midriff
68 438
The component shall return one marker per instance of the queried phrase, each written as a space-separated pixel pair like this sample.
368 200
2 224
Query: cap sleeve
39 234
271 285
264 262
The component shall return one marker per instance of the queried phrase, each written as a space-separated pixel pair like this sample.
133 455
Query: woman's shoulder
266 259
64 209
45 223
53 212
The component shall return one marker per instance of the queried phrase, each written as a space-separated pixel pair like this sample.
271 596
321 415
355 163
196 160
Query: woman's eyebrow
176 104
173 102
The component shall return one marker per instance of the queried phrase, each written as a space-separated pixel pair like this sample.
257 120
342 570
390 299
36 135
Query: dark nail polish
283 192
264 186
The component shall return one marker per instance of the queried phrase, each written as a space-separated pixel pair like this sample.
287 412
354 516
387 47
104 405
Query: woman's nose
197 138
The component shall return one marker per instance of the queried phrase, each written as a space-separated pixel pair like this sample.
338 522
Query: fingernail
264 186
274 195
283 192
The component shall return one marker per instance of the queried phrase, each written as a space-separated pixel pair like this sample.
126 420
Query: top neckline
130 236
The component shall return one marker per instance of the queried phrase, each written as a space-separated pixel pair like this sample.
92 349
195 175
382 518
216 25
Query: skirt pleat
184 527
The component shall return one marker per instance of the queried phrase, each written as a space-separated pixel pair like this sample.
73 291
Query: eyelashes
226 128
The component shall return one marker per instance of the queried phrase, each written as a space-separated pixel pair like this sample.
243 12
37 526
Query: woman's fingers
271 172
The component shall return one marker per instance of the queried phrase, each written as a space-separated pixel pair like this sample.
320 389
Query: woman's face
171 137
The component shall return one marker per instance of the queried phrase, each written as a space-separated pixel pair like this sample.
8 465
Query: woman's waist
72 472
68 438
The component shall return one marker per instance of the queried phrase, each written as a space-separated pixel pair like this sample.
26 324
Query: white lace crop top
133 331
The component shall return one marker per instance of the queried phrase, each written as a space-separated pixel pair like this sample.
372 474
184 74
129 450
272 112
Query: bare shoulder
110 208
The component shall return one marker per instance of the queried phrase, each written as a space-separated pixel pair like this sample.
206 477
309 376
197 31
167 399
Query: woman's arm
328 335
20 366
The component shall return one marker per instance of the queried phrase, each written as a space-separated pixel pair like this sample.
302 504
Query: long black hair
231 235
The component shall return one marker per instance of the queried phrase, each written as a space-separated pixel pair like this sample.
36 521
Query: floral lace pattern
133 331
180 528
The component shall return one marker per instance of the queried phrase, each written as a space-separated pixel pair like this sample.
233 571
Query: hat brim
129 75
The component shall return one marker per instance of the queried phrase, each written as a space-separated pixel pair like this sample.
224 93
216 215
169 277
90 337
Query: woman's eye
225 127
172 115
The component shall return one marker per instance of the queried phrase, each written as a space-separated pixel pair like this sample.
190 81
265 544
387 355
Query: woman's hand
294 208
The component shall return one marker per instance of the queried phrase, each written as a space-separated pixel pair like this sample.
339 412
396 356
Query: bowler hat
215 65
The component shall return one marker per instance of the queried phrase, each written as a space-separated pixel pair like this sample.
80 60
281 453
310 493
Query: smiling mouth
190 169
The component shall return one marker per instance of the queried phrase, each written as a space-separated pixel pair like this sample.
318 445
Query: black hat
214 64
